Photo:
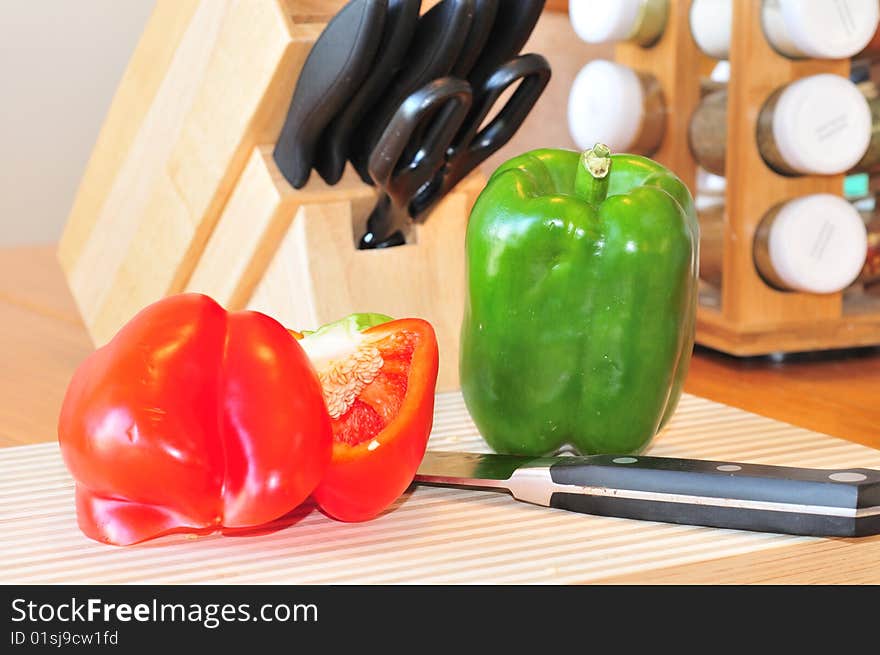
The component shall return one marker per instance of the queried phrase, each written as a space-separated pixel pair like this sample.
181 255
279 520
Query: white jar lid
604 22
829 29
710 22
709 182
822 124
606 105
721 72
817 243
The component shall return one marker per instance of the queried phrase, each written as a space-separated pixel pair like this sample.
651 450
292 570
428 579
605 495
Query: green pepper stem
591 180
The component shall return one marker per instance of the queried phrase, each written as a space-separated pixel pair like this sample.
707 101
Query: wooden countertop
42 340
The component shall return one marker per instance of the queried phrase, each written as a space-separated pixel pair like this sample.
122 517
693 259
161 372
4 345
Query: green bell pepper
581 302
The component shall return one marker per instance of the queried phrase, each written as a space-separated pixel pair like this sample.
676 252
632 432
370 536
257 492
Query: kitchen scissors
437 137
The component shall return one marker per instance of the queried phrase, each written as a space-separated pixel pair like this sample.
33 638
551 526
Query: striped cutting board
431 535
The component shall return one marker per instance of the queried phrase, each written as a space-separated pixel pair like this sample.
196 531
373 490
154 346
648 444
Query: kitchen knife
813 502
335 67
400 23
438 41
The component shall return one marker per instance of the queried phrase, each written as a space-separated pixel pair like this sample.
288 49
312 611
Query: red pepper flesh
381 436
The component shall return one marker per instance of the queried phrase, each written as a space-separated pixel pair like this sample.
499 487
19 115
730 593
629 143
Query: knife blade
397 35
335 67
438 41
780 499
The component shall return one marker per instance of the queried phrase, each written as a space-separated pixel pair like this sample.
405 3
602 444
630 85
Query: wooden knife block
208 81
292 254
181 193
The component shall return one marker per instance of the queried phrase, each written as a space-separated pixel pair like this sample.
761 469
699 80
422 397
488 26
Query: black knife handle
742 496
438 41
332 151
481 27
513 26
335 67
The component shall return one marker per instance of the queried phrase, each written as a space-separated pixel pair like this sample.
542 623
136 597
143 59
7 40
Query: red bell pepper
193 419
379 385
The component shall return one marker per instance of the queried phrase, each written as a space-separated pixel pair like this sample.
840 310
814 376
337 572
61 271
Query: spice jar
612 104
710 22
822 29
707 132
873 47
871 160
816 244
856 187
639 21
711 218
818 125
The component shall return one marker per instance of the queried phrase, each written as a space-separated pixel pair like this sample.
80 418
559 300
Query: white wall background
60 62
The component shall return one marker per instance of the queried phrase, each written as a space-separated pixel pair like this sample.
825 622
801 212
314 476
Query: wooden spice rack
745 316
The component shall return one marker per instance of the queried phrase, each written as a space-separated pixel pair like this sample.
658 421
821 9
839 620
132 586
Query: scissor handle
534 71
441 107
472 145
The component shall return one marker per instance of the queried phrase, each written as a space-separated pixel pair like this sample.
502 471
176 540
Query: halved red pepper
379 380
193 418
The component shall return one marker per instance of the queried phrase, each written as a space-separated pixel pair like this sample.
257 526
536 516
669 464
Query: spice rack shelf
745 316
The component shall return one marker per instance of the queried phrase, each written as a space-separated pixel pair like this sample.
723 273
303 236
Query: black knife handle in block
514 23
337 64
481 27
436 45
722 494
332 151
